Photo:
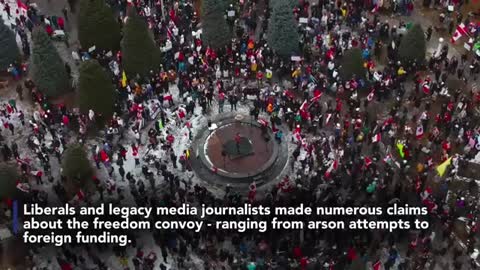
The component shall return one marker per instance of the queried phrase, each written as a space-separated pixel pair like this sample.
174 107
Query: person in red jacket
135 154
61 23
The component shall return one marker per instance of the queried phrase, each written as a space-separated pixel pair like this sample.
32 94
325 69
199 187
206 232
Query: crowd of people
395 135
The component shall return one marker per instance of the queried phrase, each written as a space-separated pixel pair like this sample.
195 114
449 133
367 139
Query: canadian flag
459 32
377 137
316 97
419 132
304 106
387 122
426 87
21 5
262 122
368 162
330 169
37 173
23 187
329 115
371 95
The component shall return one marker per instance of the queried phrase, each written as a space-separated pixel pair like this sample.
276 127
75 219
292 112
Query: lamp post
439 48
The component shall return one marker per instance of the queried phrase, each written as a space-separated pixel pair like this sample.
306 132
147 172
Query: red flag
21 5
426 87
368 161
262 122
330 169
377 138
316 97
104 156
80 195
387 122
377 265
304 106
459 32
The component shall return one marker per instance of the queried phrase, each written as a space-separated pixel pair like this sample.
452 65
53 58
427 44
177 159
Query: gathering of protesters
395 133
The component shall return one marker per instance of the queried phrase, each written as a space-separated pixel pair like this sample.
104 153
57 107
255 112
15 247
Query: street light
439 48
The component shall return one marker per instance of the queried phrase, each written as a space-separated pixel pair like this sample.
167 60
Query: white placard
109 54
450 8
296 58
303 20
231 13
467 46
197 33
91 49
75 56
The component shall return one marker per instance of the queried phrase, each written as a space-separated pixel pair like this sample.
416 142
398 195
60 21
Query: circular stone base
234 150
253 154
258 157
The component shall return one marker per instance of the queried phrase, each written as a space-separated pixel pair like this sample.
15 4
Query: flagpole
163 9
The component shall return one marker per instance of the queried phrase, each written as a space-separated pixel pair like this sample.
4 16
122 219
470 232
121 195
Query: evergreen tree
413 46
76 167
216 32
96 90
48 69
9 51
8 179
283 35
140 53
352 64
97 26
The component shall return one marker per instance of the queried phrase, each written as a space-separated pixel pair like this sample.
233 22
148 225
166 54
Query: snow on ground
13 4
181 143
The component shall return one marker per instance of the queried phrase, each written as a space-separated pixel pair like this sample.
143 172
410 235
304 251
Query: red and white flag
368 162
23 187
377 265
459 32
377 137
426 87
22 6
304 106
316 97
371 95
330 169
329 115
262 122
419 132
387 122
